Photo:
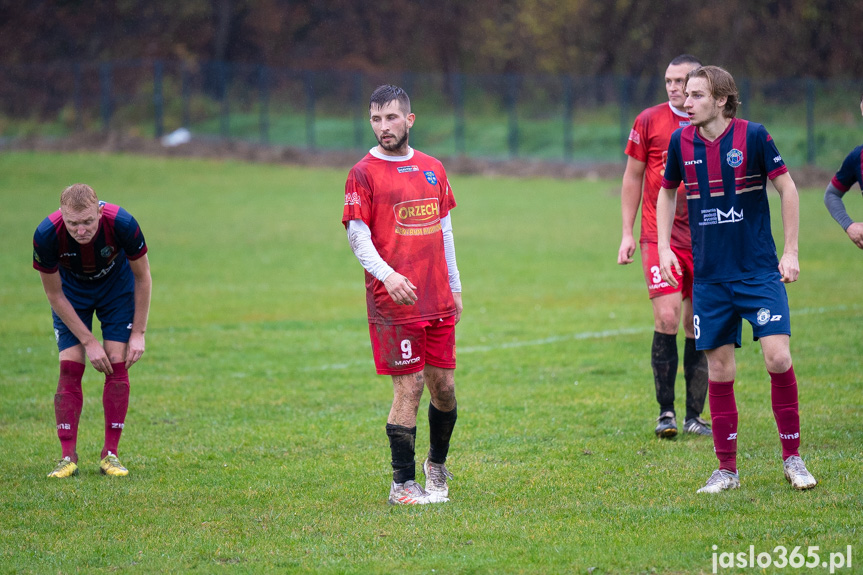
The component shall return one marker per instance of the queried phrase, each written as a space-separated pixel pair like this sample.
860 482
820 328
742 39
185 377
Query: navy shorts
113 302
720 308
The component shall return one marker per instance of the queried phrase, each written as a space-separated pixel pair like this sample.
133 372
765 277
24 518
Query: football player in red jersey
397 204
647 149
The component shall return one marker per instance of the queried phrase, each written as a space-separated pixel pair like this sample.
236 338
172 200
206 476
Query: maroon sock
68 402
115 400
783 396
723 415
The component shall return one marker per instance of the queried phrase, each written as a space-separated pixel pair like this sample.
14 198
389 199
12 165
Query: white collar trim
376 153
678 112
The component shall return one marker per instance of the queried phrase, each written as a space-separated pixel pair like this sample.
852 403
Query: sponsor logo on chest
417 217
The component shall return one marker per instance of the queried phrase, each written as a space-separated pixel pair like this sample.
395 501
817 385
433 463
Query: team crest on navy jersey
763 316
106 251
432 179
734 157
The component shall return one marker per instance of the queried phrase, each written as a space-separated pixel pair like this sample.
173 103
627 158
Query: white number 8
696 327
406 349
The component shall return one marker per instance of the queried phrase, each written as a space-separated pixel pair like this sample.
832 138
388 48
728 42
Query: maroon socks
723 415
783 396
115 400
68 402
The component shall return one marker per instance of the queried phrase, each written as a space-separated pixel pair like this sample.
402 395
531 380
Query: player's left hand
134 349
855 232
789 267
456 296
668 264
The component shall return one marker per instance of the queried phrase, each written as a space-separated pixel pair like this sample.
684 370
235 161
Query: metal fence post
810 121
310 110
357 105
625 88
185 96
158 99
76 97
745 91
568 108
264 97
105 84
458 112
511 104
225 121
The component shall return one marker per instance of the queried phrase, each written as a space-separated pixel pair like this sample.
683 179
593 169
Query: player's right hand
626 250
400 289
98 358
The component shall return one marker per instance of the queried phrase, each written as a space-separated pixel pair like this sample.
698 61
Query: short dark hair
721 85
685 59
385 94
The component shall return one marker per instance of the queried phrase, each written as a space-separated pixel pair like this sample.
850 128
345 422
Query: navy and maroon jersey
648 143
119 237
851 171
402 200
729 214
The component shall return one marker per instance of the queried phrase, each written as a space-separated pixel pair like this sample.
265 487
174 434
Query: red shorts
656 286
406 348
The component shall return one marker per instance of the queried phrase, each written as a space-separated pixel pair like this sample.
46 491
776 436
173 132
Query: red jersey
648 142
402 200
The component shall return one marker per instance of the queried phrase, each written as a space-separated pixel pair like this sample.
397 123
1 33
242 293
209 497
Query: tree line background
768 39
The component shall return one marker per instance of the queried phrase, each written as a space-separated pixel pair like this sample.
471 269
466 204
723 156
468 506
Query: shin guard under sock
723 415
402 440
115 401
783 396
695 374
68 402
441 424
663 359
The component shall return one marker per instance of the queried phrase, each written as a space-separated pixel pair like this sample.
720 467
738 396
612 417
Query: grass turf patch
255 436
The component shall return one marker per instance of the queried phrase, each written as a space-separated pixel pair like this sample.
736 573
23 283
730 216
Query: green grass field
255 434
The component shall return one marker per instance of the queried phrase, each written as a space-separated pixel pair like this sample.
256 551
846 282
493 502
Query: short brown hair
721 85
78 197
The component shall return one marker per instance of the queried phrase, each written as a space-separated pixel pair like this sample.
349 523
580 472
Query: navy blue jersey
851 171
729 214
119 238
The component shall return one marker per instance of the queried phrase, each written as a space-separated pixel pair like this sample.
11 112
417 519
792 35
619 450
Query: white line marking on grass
573 337
507 345
553 339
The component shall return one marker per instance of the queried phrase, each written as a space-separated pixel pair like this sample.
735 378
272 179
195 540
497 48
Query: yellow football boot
110 465
65 468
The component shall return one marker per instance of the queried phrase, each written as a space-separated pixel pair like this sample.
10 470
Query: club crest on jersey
763 316
432 179
106 251
734 158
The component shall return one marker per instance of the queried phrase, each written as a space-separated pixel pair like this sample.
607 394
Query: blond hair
78 197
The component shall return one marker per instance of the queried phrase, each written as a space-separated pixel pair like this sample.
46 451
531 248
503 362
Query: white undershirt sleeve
449 252
360 238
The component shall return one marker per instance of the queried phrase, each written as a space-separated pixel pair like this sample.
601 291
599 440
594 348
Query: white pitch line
573 336
507 345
